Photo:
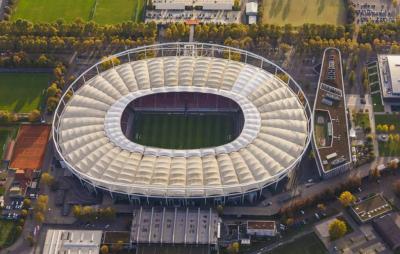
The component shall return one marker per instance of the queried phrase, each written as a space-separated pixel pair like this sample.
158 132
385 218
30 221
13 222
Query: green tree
77 211
52 90
118 246
337 228
109 63
27 203
39 217
24 213
47 179
346 198
34 115
104 249
352 78
234 248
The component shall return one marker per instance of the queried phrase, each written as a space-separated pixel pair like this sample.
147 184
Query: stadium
182 121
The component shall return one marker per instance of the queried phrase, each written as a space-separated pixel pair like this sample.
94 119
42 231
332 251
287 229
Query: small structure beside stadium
181 121
261 228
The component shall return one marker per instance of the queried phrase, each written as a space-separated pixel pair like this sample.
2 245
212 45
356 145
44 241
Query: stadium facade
90 138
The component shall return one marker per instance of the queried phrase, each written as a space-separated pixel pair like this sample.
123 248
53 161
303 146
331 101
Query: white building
202 4
389 75
261 228
251 12
72 241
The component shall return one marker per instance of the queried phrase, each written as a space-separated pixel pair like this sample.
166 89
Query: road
305 192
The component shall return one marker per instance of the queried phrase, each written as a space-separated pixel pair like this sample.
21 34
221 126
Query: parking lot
168 16
375 11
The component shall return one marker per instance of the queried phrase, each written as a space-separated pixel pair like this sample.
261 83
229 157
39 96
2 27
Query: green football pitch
179 131
22 92
100 11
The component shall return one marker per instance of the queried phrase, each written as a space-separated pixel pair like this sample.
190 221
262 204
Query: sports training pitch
180 131
100 11
22 92
299 12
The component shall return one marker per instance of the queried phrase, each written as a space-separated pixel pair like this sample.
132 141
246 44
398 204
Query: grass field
377 102
3 138
102 11
51 10
106 11
6 229
21 92
308 244
298 12
5 133
182 132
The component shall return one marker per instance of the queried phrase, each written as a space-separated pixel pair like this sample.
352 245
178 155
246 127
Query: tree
385 128
289 222
393 164
42 60
220 209
107 213
109 62
396 187
52 90
47 179
365 84
24 213
234 247
18 230
118 246
34 115
104 249
41 204
374 173
346 198
77 211
321 207
39 217
392 127
352 78
27 203
43 199
337 228
30 240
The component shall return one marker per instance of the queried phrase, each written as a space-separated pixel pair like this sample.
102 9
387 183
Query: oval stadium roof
274 136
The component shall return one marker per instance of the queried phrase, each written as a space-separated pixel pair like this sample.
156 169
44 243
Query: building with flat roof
261 228
388 227
160 225
72 241
370 208
331 129
389 76
251 12
200 4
